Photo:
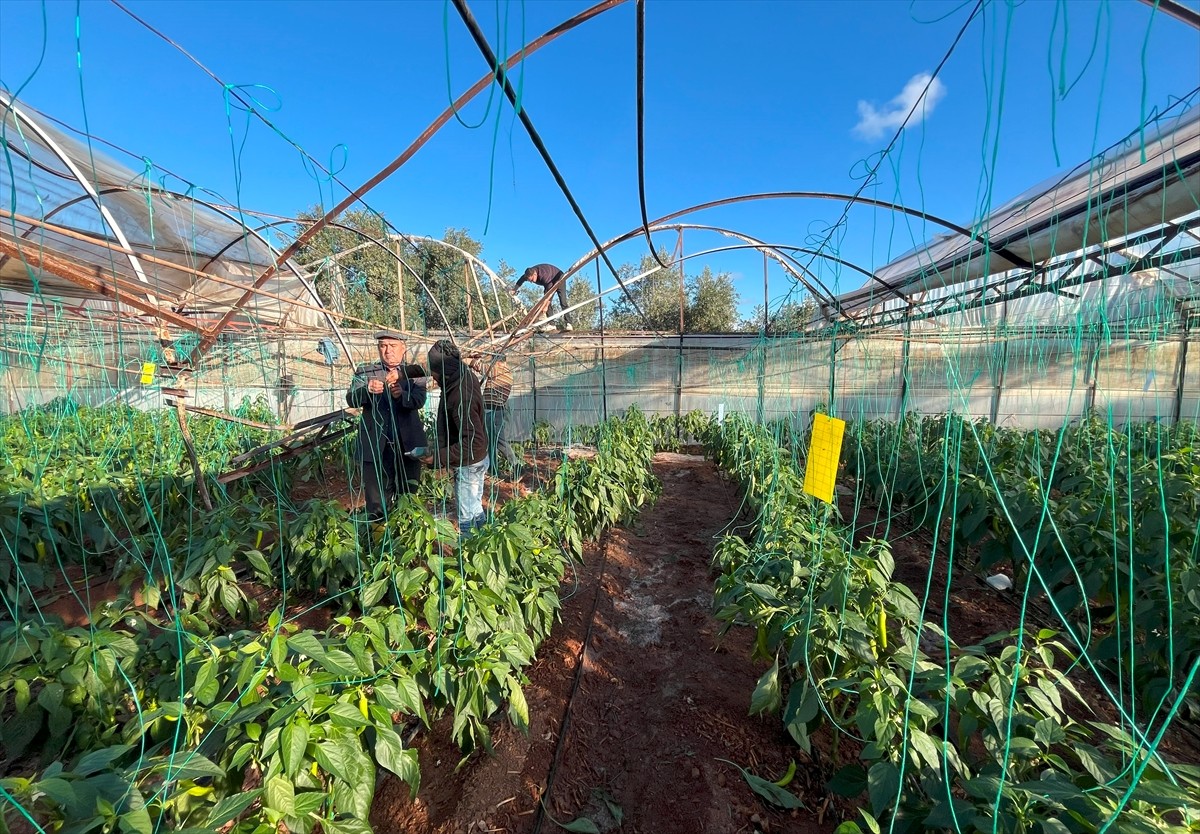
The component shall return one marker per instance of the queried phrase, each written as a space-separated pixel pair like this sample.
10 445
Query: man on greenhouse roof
550 279
390 395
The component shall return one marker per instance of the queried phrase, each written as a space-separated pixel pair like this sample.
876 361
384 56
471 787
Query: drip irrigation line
641 125
539 818
523 114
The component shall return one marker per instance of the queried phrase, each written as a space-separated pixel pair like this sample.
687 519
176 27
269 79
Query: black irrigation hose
641 125
566 717
502 78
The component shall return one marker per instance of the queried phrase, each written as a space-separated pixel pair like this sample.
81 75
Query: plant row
178 708
1101 523
991 737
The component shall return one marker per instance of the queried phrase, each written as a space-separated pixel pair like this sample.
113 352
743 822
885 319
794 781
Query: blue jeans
468 481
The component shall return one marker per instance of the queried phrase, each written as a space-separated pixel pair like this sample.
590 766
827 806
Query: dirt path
657 703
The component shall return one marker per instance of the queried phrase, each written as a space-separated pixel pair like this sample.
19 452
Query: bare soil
639 729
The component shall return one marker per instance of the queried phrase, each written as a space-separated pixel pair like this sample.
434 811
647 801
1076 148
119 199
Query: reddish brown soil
659 701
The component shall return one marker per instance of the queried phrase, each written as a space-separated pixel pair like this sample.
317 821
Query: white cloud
873 122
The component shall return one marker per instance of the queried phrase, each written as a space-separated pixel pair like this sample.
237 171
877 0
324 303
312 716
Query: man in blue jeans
460 441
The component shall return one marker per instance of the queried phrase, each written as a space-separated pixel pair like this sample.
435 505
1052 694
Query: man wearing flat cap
390 394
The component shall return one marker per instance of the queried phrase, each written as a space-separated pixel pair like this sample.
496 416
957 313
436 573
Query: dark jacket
461 433
387 419
545 276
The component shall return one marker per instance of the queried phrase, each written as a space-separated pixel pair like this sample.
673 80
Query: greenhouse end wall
1027 380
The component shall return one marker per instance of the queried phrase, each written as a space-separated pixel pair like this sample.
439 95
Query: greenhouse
871 507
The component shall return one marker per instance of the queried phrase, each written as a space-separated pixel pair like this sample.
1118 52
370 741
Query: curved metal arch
492 276
524 331
312 290
995 248
111 221
25 235
395 165
779 247
819 195
377 242
773 250
789 264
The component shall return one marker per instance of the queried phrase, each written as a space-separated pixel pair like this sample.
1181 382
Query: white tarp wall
1030 379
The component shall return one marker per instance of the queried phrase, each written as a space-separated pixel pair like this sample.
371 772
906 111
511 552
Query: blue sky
740 97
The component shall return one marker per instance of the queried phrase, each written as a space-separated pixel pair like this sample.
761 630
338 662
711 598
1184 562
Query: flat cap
390 334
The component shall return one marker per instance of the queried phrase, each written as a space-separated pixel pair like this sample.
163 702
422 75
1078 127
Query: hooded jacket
461 432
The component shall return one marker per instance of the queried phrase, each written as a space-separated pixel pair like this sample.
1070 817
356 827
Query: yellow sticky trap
148 369
824 453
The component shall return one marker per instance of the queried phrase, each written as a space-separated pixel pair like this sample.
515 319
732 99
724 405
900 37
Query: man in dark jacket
390 395
461 443
550 279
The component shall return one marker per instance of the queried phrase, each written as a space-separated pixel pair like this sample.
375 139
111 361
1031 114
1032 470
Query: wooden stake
201 486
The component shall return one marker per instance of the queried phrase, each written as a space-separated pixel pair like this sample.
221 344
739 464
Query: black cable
641 125
539 818
502 78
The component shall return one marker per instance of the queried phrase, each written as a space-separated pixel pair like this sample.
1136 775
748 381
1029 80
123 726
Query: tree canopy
710 301
398 282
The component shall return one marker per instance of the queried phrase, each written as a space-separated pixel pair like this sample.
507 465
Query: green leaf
944 814
763 592
373 593
259 564
193 766
583 825
347 715
410 771
1048 731
230 598
306 643
767 696
848 828
230 808
309 802
281 796
614 809
927 748
99 759
346 827
59 791
293 742
206 688
332 757
410 695
850 781
389 750
518 709
768 790
883 781
136 821
339 663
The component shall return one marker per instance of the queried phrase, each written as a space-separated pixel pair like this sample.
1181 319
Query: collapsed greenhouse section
990 623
